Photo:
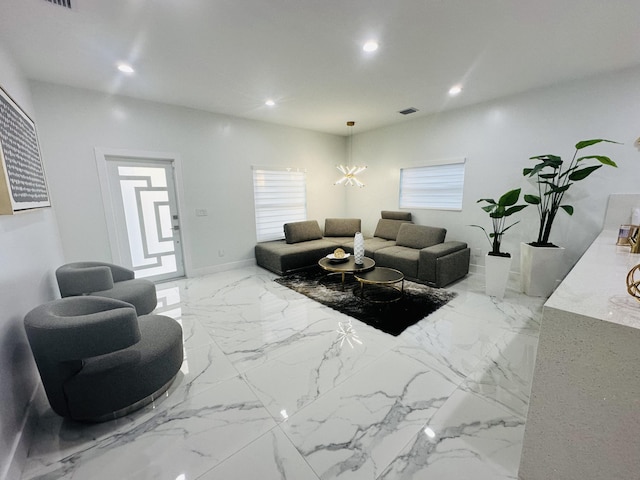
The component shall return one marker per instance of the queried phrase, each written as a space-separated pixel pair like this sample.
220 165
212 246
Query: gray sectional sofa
418 251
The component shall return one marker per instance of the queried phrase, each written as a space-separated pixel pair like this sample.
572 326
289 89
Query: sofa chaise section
421 254
304 244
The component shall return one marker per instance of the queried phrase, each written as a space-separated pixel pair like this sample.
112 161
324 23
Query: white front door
144 206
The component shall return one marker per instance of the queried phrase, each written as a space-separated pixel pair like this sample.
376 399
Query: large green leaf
488 208
567 208
588 143
532 199
509 198
498 212
583 173
533 171
547 175
601 158
514 209
488 200
548 157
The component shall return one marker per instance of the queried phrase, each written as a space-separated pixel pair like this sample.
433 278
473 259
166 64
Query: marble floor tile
458 342
276 386
186 439
297 378
357 429
270 457
468 438
506 374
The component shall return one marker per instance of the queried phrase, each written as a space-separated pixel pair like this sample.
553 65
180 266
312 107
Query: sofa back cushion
341 227
388 228
395 215
296 232
419 236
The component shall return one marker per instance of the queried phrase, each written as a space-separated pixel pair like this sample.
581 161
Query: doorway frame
101 155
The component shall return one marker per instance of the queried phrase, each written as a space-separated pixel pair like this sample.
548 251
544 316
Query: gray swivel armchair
98 360
107 280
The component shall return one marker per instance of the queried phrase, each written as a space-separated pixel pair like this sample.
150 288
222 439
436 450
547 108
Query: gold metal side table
388 285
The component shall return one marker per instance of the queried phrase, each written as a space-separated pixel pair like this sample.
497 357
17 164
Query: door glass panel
148 219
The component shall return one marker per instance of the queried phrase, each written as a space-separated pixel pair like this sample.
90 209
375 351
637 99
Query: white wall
497 138
29 253
217 152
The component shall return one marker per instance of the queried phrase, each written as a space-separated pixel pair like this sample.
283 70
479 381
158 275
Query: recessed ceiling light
125 68
269 103
455 90
370 46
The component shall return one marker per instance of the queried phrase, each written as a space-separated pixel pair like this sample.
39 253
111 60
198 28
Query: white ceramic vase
540 269
496 275
358 248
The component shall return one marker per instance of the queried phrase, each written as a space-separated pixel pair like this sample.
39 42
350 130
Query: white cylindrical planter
540 269
358 248
496 275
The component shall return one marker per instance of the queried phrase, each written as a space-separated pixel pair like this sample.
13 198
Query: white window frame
280 196
436 186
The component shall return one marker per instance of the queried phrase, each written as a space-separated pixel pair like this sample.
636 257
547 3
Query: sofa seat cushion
372 245
281 257
297 232
404 259
139 292
419 236
340 241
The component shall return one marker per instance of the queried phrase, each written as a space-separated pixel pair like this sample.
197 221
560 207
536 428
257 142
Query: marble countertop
596 286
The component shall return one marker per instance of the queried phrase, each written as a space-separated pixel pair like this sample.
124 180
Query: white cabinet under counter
584 411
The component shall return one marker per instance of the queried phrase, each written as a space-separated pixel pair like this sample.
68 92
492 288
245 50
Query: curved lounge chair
98 360
107 280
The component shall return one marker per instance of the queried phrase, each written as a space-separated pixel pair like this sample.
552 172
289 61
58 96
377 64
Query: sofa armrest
443 263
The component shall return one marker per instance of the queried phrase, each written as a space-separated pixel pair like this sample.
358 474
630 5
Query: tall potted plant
553 179
498 263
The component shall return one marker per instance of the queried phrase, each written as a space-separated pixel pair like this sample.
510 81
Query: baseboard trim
225 267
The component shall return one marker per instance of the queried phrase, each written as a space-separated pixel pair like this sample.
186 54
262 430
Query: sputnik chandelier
349 172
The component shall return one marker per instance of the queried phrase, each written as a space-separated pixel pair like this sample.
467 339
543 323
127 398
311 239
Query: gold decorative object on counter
633 285
339 253
634 241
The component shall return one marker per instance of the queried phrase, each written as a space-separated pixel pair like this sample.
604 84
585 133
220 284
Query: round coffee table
348 266
386 282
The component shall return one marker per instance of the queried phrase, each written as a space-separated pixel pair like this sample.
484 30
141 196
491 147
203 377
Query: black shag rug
416 303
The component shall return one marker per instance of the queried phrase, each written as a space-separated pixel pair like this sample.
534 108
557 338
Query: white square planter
540 269
496 275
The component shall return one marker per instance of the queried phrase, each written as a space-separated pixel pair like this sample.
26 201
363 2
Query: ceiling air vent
62 3
408 111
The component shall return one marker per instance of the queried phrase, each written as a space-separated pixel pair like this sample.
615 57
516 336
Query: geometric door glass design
149 221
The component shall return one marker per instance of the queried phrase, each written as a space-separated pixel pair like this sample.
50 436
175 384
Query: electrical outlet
201 212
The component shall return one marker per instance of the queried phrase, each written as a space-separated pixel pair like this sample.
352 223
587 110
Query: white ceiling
229 56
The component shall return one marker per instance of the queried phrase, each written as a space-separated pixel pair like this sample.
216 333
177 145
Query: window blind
280 197
433 186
